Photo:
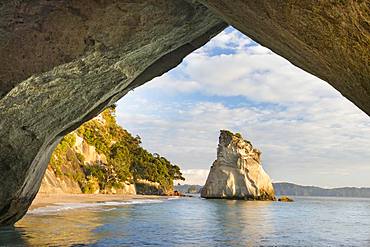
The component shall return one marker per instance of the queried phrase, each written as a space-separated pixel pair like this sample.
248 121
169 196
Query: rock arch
64 61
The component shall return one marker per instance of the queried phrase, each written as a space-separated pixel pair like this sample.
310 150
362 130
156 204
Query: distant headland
291 189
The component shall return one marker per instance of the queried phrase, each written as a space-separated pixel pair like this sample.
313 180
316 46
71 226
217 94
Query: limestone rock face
88 151
145 187
54 183
237 172
51 184
63 62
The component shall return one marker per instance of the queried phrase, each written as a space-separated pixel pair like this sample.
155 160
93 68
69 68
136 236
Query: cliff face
237 172
51 184
102 157
71 175
74 58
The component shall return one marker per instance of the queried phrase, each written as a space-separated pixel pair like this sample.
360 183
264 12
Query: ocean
197 222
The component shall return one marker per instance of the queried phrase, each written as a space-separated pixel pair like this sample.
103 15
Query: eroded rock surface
64 61
237 172
51 184
329 39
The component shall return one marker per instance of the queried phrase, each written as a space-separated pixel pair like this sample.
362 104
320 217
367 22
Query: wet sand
43 200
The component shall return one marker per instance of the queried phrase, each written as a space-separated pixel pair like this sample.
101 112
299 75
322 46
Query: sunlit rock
63 62
237 172
285 199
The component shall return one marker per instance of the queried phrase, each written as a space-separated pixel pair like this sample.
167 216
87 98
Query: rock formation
63 62
102 157
237 172
51 184
285 199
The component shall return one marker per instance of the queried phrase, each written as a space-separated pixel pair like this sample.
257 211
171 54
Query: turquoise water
197 222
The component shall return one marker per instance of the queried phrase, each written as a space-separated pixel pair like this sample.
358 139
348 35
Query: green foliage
80 157
229 133
96 135
97 172
121 159
238 135
155 168
58 157
126 159
91 186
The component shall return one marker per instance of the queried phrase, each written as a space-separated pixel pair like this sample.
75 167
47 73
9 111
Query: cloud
253 72
229 41
307 131
292 149
194 176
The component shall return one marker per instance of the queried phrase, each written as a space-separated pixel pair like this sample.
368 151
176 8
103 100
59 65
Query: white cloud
292 150
227 40
194 176
308 132
254 72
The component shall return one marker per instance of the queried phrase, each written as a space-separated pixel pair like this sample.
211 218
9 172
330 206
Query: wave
59 207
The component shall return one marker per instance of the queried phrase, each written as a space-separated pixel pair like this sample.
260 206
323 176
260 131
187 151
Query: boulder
237 172
285 199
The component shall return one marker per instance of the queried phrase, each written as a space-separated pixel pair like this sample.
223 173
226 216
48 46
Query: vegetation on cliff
124 159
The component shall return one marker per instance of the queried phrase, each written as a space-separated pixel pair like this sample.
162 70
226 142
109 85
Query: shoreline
45 199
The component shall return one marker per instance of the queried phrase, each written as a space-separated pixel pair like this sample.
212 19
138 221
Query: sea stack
237 172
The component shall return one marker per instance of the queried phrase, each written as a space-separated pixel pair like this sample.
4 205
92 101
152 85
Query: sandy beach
43 199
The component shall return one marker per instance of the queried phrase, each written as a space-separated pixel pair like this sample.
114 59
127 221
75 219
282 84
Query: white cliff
237 172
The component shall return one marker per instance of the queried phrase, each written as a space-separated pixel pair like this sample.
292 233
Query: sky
308 132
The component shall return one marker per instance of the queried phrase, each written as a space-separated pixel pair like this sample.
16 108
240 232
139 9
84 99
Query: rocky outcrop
285 199
329 39
51 184
64 179
126 189
101 157
237 172
145 187
89 152
63 62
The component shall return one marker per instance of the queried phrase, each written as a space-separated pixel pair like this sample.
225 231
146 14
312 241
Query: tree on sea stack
237 172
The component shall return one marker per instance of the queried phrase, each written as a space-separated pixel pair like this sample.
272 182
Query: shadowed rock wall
64 61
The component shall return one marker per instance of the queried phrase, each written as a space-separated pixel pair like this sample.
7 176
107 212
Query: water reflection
198 222
70 228
13 236
242 222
